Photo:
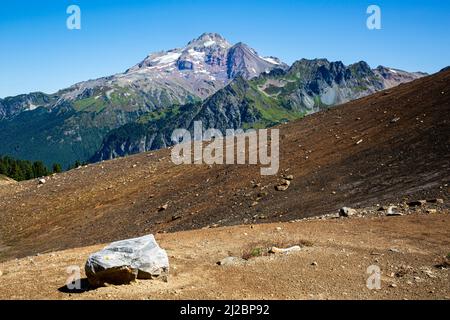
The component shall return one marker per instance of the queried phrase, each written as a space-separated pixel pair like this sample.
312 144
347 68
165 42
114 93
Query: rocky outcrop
272 98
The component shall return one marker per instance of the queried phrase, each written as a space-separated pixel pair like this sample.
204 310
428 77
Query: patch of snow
31 107
392 70
168 58
196 54
209 43
108 93
270 60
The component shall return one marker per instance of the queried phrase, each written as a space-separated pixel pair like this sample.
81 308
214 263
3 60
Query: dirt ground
389 148
333 264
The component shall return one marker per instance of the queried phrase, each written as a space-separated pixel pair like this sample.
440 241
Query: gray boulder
125 261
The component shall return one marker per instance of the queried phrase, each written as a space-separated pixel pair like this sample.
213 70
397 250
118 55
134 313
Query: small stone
429 273
417 203
439 201
286 250
1 273
393 285
289 177
283 186
41 181
314 263
231 261
395 120
163 207
392 212
431 211
347 212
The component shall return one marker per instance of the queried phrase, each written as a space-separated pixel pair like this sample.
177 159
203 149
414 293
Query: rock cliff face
271 98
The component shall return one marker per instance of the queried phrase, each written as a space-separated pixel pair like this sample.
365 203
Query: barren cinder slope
403 153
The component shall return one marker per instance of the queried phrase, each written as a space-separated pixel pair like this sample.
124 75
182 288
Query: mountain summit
203 65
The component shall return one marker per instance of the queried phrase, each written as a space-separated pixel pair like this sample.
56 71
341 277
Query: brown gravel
407 249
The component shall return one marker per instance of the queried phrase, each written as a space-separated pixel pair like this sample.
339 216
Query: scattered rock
42 181
417 203
392 211
439 201
287 250
123 262
163 207
231 261
431 211
289 177
176 217
262 194
283 186
347 212
429 273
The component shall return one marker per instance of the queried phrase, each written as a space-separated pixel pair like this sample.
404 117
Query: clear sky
39 53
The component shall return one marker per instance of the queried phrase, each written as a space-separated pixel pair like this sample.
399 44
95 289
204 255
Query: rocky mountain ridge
77 122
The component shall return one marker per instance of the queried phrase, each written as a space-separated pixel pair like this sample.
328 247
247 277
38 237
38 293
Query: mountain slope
4 180
71 124
276 97
402 155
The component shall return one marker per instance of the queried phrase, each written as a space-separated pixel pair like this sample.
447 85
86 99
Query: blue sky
38 52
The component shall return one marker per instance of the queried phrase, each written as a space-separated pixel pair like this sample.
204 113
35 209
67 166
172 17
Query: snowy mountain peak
207 40
208 59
